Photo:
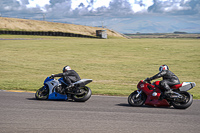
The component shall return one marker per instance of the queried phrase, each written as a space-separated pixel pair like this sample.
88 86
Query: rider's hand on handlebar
148 80
52 76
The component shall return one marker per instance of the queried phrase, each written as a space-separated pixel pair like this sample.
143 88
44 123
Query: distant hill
154 24
35 25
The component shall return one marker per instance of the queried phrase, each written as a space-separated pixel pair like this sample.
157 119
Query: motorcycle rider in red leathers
169 79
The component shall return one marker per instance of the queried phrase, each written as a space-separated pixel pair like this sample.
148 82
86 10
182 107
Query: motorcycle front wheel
136 101
184 102
84 95
42 93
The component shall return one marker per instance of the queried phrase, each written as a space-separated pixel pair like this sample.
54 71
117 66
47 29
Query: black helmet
66 68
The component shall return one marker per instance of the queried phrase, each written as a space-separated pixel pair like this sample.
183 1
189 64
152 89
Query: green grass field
115 65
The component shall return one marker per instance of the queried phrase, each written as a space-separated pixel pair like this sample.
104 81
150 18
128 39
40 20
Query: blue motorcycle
56 90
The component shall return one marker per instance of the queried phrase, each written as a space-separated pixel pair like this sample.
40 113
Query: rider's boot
168 92
69 89
70 86
162 96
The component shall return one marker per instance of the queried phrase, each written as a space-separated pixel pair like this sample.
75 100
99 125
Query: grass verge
115 65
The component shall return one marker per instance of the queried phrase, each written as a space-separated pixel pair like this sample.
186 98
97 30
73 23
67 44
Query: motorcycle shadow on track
56 100
143 106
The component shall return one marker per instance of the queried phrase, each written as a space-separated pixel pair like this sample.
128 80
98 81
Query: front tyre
136 100
42 93
84 95
184 102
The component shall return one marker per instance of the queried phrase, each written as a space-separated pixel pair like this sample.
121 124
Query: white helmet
66 68
163 67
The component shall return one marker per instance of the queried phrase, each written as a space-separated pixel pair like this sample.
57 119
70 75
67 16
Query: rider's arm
159 75
58 75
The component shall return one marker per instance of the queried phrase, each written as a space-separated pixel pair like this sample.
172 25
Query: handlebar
147 80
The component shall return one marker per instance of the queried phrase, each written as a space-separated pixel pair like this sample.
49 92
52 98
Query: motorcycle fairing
61 80
50 84
152 100
143 86
148 88
156 102
48 79
57 96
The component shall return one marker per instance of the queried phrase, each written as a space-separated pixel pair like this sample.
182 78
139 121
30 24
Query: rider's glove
52 76
148 79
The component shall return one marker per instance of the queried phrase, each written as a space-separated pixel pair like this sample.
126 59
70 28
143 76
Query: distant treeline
45 33
165 35
176 32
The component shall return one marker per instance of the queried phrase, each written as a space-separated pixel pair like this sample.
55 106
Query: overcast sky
125 16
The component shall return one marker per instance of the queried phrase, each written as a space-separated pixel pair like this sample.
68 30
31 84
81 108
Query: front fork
139 92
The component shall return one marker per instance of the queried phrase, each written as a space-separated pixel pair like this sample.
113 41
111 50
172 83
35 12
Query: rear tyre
183 102
136 101
84 95
42 93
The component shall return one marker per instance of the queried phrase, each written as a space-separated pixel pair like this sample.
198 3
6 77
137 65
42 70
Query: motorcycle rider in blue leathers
169 79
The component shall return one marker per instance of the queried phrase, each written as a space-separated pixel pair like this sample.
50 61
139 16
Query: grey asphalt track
22 113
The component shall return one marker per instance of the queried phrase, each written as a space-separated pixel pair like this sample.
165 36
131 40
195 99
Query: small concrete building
101 34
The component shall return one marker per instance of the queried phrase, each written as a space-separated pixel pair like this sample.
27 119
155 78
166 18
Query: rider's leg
68 82
165 84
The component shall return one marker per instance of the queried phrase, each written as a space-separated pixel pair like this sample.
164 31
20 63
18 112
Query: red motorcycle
153 95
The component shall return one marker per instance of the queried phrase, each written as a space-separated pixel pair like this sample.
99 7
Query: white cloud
37 3
93 3
100 3
140 5
175 7
76 3
136 5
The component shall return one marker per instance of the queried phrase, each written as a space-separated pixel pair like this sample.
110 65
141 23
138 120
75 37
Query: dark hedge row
44 33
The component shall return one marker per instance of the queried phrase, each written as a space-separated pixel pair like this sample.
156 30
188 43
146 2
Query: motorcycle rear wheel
183 103
84 95
136 102
42 93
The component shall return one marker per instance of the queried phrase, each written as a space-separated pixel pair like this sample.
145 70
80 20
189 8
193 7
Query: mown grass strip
115 65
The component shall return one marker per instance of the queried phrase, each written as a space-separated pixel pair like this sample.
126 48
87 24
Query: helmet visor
161 68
